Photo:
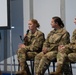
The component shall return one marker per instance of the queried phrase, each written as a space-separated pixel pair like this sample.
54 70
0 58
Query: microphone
27 31
26 35
22 39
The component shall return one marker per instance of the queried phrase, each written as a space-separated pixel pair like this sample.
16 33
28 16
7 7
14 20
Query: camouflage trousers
63 59
72 57
23 55
72 53
42 61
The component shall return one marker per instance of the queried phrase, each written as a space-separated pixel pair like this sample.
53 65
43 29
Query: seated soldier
33 43
66 52
49 52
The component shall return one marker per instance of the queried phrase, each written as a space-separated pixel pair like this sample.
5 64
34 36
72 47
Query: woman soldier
58 36
33 42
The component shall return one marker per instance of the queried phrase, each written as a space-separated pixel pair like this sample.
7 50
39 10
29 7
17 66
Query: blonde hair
34 21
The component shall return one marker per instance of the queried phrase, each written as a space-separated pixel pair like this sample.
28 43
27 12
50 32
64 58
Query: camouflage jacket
72 45
73 40
35 41
56 38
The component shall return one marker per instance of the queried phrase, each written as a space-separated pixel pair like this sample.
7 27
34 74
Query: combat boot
58 71
22 71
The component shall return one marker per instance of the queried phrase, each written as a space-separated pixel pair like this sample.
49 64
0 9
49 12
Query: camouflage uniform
68 52
33 45
54 39
72 55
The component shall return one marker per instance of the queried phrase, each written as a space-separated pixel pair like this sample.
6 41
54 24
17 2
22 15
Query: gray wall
16 12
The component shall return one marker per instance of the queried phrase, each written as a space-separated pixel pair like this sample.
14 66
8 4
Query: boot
23 71
58 71
67 69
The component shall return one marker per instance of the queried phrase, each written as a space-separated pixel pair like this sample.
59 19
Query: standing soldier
33 42
65 53
58 36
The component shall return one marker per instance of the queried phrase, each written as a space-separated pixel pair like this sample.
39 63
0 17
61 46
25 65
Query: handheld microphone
21 38
25 36
27 31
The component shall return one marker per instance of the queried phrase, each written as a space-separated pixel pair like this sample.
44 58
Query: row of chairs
52 62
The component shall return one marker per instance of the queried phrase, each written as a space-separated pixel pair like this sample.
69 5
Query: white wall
43 11
3 13
26 14
70 13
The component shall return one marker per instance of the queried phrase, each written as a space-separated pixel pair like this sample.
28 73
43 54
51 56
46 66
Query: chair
71 67
53 63
31 65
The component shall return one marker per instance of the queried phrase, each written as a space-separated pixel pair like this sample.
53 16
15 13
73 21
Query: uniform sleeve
73 39
72 45
46 43
65 39
37 43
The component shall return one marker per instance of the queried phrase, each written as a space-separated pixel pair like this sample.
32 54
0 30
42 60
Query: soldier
32 45
55 38
72 56
65 53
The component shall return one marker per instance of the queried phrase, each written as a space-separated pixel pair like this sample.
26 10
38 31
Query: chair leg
18 67
53 66
32 67
71 69
48 71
